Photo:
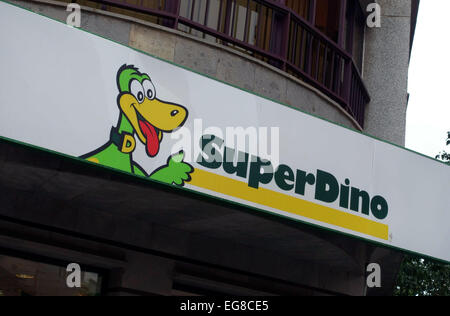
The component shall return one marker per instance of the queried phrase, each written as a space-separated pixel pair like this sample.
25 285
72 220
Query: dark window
20 277
358 37
354 30
327 17
301 7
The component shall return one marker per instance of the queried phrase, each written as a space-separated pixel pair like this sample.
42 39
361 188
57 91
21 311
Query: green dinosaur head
149 116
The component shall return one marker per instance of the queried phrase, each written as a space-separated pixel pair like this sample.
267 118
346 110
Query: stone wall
386 64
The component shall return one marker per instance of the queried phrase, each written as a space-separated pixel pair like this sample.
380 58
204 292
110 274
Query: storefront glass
19 277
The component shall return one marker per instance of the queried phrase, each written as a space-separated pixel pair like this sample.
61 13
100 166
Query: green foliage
445 156
420 277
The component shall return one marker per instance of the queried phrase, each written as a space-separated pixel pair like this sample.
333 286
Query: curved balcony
267 30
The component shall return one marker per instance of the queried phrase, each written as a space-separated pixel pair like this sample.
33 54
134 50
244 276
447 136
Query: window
194 11
358 37
327 17
301 7
248 21
20 277
354 30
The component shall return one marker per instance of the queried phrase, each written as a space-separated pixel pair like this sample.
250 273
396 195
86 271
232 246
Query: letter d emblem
128 144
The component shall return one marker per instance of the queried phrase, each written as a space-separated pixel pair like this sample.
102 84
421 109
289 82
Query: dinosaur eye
137 91
149 89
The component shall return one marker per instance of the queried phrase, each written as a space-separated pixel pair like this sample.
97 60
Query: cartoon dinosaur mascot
143 115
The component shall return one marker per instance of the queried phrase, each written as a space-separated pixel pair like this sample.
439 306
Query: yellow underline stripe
289 204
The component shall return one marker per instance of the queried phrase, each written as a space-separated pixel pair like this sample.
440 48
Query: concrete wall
386 71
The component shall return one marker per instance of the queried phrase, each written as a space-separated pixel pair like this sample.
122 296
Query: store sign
65 90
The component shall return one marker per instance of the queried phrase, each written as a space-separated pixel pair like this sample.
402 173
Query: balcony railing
265 29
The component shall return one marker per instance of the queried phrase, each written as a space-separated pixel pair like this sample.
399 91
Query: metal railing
268 30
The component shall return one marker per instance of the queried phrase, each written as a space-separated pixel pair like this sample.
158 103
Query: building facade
315 55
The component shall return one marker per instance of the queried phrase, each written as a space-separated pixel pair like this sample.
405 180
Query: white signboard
72 92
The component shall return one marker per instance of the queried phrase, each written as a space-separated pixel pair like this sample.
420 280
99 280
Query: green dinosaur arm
175 172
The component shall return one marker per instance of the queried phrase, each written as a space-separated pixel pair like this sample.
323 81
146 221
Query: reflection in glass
19 277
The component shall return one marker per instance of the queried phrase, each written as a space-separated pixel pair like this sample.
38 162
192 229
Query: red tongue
152 138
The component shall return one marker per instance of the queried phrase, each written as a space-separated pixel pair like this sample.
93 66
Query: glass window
355 29
301 7
19 277
239 19
194 11
358 37
210 13
245 20
327 17
252 23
